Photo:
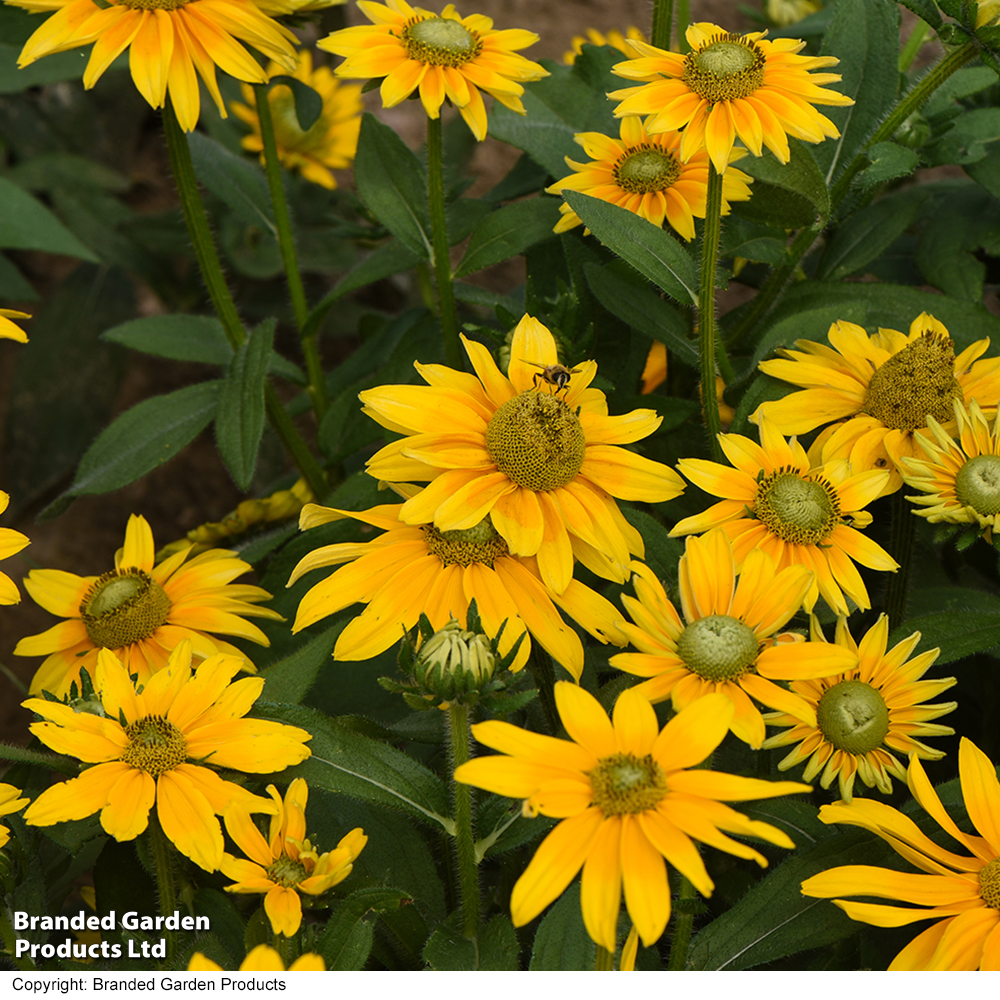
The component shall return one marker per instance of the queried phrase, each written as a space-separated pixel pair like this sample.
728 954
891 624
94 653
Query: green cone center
920 379
155 745
989 884
286 872
625 783
536 441
853 716
643 170
796 509
440 41
727 68
718 647
123 607
977 485
479 544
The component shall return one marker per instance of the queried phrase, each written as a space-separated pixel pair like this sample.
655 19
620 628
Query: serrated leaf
800 176
887 161
347 939
239 182
562 943
965 142
498 947
308 103
508 232
447 950
26 224
957 635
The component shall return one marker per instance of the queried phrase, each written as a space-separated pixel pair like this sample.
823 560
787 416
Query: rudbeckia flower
151 747
960 893
10 802
171 43
332 140
11 542
866 714
417 569
441 55
263 958
141 611
614 38
12 331
286 863
645 174
536 452
730 644
629 796
878 391
731 85
775 501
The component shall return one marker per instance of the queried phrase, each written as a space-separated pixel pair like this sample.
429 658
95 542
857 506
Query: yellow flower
783 13
263 958
865 713
171 43
535 451
331 142
416 569
879 390
141 611
10 330
777 502
730 86
444 55
729 644
961 894
645 174
614 38
988 12
9 803
286 863
11 542
626 802
151 745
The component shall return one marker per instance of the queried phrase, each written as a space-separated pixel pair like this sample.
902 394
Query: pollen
155 745
989 884
123 607
149 4
798 509
479 544
625 783
645 169
718 647
853 716
286 872
977 485
440 41
726 68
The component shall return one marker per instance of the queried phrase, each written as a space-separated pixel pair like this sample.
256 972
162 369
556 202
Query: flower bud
454 662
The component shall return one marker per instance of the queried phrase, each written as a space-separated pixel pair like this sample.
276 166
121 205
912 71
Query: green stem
289 948
164 868
663 20
912 46
683 20
604 960
683 925
294 444
465 843
439 234
901 549
706 309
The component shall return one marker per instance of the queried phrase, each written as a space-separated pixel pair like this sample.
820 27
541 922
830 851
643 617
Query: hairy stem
465 843
163 865
683 925
439 235
663 20
706 310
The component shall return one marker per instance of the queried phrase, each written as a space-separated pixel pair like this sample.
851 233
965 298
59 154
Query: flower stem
706 309
604 960
683 20
439 234
683 925
901 549
465 844
164 868
663 20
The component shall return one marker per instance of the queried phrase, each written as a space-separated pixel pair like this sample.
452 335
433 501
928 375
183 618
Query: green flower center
796 509
718 647
286 872
440 41
155 745
627 784
645 169
123 607
989 884
920 379
977 485
536 441
726 68
854 717
479 544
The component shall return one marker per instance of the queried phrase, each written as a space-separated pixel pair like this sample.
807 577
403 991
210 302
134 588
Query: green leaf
308 103
986 172
448 950
662 552
179 337
562 943
809 324
239 419
925 10
887 162
957 635
754 241
508 232
648 248
388 259
235 180
51 69
393 185
800 176
289 679
498 947
26 224
14 286
66 170
347 938
965 142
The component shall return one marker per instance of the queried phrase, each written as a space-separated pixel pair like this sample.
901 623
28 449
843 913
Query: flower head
645 174
417 569
10 802
11 542
866 714
535 452
731 85
329 144
169 42
730 643
285 864
10 330
443 55
960 894
263 958
152 744
141 611
627 802
614 38
774 500
878 391
783 13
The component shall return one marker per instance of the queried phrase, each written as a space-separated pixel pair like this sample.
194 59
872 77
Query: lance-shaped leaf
509 231
26 224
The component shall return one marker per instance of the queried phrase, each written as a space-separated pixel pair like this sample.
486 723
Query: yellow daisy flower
783 13
730 86
777 502
417 569
10 802
9 330
263 958
151 745
286 863
878 391
141 611
535 451
961 894
730 643
11 542
171 43
331 142
444 55
865 713
645 174
629 796
614 38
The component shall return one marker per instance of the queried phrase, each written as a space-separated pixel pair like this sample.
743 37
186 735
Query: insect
557 375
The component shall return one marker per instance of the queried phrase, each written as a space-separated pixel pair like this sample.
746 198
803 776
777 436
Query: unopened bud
454 662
